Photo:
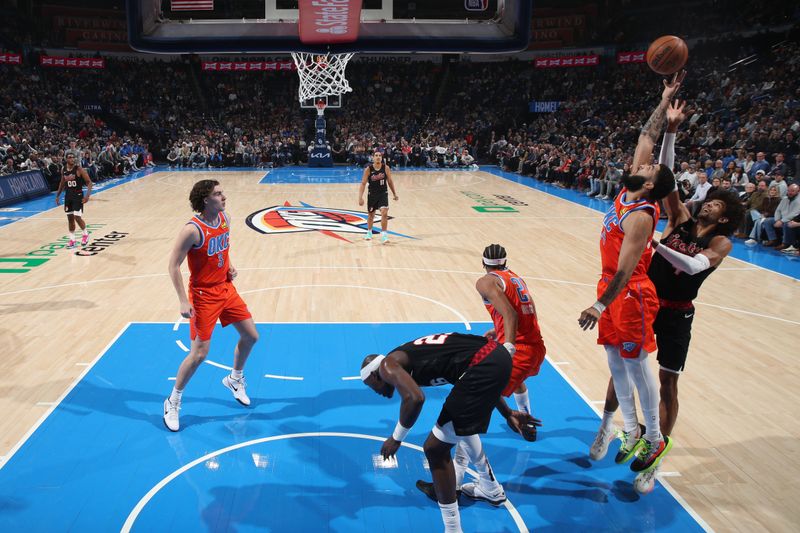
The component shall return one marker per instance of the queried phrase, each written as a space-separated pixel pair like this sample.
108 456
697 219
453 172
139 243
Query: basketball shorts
472 399
73 205
628 321
525 363
673 329
211 303
377 201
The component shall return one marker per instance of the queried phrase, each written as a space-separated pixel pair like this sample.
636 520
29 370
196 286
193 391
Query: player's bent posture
627 302
689 251
205 239
479 370
513 311
72 179
378 176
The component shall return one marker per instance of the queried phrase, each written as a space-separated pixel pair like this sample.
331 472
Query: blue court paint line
301 457
756 255
33 207
302 175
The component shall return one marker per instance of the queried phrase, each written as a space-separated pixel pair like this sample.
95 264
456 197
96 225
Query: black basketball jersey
672 284
442 358
377 180
72 182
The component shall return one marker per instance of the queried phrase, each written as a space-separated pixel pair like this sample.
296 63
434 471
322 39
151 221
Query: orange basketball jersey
208 262
521 300
611 235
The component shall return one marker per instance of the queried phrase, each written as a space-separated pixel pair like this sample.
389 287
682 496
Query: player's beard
633 182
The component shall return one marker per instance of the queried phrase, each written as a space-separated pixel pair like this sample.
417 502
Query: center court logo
287 218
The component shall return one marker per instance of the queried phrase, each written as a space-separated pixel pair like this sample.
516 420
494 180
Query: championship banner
10 59
567 61
230 66
631 57
72 62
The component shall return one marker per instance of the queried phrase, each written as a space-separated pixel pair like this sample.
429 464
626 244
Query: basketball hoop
320 105
321 75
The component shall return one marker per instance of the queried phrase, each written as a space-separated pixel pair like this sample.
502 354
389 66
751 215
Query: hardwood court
735 438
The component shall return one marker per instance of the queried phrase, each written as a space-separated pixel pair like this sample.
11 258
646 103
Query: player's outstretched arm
412 399
652 128
677 213
188 237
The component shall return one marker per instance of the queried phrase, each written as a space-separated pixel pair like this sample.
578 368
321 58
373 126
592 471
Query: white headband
371 367
494 262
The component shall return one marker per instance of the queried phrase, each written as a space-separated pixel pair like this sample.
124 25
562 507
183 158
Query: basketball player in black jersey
689 251
479 370
72 179
378 175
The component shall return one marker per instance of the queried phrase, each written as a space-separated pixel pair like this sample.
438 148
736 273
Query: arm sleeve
684 263
667 156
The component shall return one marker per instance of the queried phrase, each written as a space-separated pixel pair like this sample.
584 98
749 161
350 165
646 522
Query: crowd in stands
743 128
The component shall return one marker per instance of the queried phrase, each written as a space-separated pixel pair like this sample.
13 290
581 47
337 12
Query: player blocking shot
479 369
205 240
377 179
72 179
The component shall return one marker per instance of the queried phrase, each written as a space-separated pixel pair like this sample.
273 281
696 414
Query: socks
71 236
608 420
85 233
647 387
237 374
523 401
624 388
450 517
175 396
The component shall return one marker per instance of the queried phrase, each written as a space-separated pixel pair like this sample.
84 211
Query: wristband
510 347
400 432
600 307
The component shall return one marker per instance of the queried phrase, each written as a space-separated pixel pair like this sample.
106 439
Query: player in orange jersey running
205 239
627 303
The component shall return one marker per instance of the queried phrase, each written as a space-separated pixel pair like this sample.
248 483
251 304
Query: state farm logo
331 16
287 218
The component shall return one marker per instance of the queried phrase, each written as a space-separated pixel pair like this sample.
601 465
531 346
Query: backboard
336 26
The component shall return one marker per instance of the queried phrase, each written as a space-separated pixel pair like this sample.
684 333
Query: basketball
667 55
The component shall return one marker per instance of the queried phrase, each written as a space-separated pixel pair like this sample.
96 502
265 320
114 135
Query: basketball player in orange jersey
513 312
377 175
205 239
73 197
627 302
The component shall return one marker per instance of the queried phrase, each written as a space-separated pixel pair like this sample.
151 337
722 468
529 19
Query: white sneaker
645 482
495 496
751 242
599 447
789 250
237 387
171 415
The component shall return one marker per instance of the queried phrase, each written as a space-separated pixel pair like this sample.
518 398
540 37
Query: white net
321 75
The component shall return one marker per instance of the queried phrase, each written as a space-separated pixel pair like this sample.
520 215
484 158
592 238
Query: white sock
523 401
450 517
624 388
175 396
647 387
237 374
71 236
608 420
460 463
85 232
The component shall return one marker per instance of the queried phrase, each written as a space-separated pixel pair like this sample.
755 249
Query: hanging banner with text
10 59
631 57
567 61
72 62
230 66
